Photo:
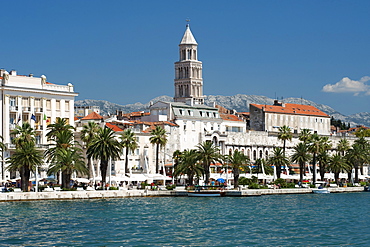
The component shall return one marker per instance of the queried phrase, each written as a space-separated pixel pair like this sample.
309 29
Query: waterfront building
34 100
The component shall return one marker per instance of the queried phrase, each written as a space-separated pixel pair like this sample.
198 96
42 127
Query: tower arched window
254 154
261 153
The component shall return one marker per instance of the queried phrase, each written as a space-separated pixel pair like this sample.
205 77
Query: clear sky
124 51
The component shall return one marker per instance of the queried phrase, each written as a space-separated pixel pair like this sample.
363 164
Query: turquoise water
279 220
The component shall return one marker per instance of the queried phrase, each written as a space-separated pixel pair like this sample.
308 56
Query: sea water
276 220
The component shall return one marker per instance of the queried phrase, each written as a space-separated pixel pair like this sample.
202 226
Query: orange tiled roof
113 127
230 117
92 116
292 109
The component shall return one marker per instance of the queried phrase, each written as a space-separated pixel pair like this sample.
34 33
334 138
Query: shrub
69 189
363 183
253 186
290 185
171 187
113 188
281 181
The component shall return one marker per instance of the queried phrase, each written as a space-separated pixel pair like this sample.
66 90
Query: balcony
26 108
39 110
13 108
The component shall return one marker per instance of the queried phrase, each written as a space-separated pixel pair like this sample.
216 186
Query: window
261 154
25 102
57 104
67 106
48 104
12 101
37 102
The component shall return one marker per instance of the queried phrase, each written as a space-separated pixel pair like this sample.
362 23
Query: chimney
13 72
30 75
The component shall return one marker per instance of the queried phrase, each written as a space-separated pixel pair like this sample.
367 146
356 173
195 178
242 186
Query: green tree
129 142
188 164
59 125
24 160
278 159
64 155
356 157
343 146
337 165
301 156
259 163
88 134
237 161
305 136
159 138
208 154
285 134
67 160
23 134
104 147
323 156
315 147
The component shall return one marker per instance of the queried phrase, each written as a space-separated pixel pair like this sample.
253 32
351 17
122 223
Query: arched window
261 153
254 154
267 153
230 151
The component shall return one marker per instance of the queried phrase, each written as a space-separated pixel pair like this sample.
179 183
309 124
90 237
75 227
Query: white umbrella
82 180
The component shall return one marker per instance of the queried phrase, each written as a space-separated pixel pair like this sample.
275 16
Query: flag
44 116
33 117
19 118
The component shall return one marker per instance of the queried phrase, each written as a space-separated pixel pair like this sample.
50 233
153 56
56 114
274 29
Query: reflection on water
279 220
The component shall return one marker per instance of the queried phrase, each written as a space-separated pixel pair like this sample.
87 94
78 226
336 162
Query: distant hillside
239 102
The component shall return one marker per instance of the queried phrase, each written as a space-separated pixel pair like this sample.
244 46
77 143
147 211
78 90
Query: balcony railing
26 108
39 109
13 108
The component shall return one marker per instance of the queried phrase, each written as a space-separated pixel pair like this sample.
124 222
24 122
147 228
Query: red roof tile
292 109
113 127
92 116
230 117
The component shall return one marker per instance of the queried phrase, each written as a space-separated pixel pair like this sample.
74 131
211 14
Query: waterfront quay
108 194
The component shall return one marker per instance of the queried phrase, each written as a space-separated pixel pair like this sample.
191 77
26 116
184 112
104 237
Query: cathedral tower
188 72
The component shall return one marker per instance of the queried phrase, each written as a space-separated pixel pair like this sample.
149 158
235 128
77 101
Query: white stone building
34 100
296 116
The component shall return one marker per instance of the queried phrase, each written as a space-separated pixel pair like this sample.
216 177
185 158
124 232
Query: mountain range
239 102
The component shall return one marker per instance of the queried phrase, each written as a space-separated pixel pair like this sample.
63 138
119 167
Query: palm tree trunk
336 177
314 168
322 171
103 171
236 178
301 170
25 179
157 159
356 173
126 161
207 174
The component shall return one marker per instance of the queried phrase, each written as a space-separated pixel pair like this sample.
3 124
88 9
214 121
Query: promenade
107 194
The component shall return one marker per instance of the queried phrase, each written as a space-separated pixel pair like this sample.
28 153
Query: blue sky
124 51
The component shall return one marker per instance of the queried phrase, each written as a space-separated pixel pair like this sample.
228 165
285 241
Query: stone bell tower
188 72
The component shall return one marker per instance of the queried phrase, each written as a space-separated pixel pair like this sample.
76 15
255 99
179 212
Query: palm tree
104 147
301 156
364 144
59 125
208 154
24 160
159 138
343 146
285 134
315 147
176 158
278 159
323 159
188 164
357 156
237 161
129 142
305 136
337 165
67 161
24 133
65 156
88 133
